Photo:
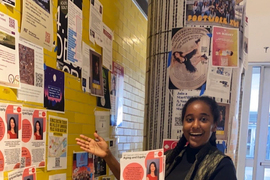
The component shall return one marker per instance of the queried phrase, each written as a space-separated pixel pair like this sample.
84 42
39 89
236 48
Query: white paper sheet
9 64
58 177
107 47
31 61
24 173
86 68
95 22
102 123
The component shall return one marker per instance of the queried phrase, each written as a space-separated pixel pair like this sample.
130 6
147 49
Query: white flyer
58 177
107 47
31 59
28 173
34 125
9 64
95 22
103 123
57 143
10 136
86 68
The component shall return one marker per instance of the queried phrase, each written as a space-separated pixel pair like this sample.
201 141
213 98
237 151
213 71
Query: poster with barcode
10 136
31 62
28 173
37 22
62 24
188 64
225 47
57 143
9 71
10 2
34 128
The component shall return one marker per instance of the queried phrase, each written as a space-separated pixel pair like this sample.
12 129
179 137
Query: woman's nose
196 124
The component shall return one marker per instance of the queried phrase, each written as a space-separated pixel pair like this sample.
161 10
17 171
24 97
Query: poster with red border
10 136
34 123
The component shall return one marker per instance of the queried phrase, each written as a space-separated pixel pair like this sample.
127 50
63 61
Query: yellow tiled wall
129 50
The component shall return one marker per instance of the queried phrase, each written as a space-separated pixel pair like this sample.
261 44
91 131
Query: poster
219 82
62 28
107 47
222 124
10 136
100 166
105 101
10 2
169 144
141 165
83 166
116 94
86 68
37 22
225 52
96 77
57 143
180 97
54 89
31 60
212 13
74 33
102 122
95 22
9 64
189 59
34 128
28 173
58 177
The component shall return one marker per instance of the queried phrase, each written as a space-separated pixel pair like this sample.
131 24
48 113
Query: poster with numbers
57 143
37 22
34 128
10 136
225 47
31 60
62 28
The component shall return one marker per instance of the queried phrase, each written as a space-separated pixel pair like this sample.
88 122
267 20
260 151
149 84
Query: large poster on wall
188 64
62 45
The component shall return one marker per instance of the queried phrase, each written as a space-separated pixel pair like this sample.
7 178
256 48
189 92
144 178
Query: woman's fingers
98 137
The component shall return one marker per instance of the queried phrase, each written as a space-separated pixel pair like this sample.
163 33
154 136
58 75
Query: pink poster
225 47
169 144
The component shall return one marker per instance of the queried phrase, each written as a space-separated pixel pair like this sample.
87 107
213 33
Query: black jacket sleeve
224 171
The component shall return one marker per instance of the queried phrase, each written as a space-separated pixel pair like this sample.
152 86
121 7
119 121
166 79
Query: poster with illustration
54 89
222 124
83 166
57 143
10 136
34 128
105 101
116 94
188 65
96 77
31 60
225 47
142 165
28 173
213 13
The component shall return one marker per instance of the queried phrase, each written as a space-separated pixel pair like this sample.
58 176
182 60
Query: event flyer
83 166
34 124
9 64
31 60
54 89
142 165
57 143
10 136
37 22
28 173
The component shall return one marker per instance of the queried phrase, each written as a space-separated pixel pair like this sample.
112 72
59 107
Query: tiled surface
129 49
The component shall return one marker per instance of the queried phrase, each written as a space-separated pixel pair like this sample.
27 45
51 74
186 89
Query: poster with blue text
54 89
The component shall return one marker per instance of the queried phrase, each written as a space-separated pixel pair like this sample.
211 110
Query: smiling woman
195 156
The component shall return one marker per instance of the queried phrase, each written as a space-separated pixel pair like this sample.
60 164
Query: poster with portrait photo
96 77
188 65
152 168
10 136
225 47
54 89
28 173
222 124
33 137
105 101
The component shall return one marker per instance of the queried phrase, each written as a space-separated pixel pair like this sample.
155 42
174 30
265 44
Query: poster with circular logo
189 59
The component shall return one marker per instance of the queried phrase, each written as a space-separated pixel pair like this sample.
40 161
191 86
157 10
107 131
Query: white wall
258 12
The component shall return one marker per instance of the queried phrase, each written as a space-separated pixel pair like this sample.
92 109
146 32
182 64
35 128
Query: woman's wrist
108 155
